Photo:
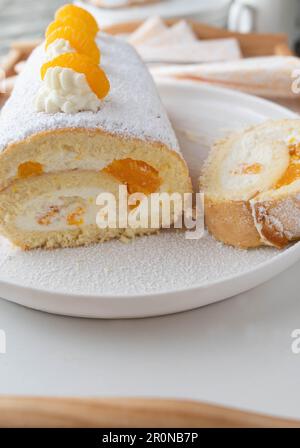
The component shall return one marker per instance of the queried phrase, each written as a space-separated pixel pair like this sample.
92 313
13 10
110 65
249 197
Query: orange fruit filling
79 41
74 22
293 171
255 168
46 219
75 218
81 63
291 174
136 174
29 169
76 11
295 150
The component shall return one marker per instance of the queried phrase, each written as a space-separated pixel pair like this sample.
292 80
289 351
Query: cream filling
71 161
271 160
63 160
58 47
61 210
64 90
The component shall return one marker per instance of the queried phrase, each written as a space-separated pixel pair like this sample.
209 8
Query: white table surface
236 353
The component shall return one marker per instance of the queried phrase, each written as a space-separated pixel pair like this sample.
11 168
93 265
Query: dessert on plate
251 183
84 118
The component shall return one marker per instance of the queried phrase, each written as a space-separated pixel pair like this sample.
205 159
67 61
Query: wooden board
125 413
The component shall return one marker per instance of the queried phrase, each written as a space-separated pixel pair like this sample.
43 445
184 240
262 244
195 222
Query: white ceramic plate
159 274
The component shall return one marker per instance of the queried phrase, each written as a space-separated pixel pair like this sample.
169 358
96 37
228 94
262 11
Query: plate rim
162 82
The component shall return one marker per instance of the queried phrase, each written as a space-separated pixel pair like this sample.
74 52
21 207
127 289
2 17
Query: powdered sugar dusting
132 108
151 264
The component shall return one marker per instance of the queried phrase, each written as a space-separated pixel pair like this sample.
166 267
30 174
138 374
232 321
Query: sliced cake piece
251 182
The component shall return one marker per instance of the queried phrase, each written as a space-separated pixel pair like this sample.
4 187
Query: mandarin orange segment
29 169
74 22
293 171
80 63
78 40
292 174
139 176
76 11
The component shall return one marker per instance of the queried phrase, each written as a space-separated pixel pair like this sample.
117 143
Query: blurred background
215 41
24 19
28 18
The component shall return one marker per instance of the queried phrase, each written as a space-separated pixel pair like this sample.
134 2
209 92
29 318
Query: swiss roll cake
84 118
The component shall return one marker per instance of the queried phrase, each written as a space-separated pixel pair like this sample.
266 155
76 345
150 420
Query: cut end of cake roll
251 182
50 195
54 165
